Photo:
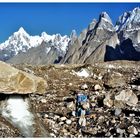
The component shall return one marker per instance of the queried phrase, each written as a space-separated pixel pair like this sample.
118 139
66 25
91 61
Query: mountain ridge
100 41
21 41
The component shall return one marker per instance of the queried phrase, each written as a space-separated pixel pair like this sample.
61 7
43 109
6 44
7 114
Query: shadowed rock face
124 51
13 80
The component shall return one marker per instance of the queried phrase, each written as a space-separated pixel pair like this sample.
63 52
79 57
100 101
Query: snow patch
83 73
48 50
16 110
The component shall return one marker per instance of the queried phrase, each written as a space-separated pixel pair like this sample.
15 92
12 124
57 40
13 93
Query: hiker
82 108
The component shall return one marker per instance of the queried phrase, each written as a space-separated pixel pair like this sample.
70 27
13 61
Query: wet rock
97 87
107 101
13 81
128 97
132 130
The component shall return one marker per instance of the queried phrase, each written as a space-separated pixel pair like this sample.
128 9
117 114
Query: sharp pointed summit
129 20
105 22
105 16
21 31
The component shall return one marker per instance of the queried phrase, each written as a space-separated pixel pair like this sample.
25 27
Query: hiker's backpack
81 98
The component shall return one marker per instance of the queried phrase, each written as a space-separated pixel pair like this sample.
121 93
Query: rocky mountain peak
105 16
136 10
21 31
21 41
129 20
105 22
92 24
73 36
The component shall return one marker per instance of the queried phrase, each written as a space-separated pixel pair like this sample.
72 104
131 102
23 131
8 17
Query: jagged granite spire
129 20
105 16
73 36
92 24
105 22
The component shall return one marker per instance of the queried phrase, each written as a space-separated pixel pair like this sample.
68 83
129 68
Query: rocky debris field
113 89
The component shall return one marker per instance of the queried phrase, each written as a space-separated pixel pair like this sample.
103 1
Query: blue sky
55 17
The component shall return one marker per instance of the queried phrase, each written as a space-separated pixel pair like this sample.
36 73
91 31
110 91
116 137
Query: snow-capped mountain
21 41
129 20
128 27
100 41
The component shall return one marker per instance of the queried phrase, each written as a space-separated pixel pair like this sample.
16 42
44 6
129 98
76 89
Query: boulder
107 101
71 105
114 79
118 111
132 130
16 81
68 122
84 87
97 87
127 97
63 118
120 131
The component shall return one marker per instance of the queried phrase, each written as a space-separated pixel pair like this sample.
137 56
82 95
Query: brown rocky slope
114 96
